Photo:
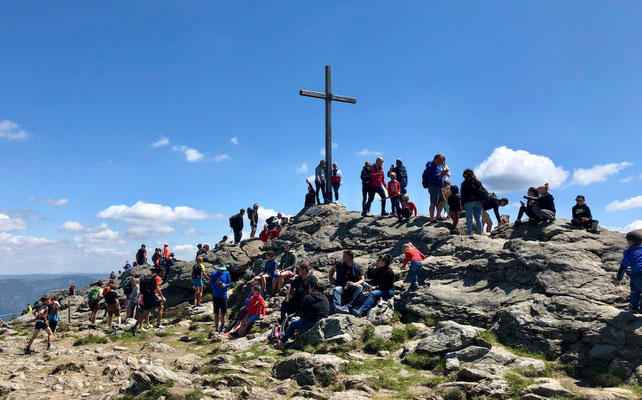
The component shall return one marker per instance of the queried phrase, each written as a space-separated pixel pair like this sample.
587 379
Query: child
220 281
268 270
632 257
582 215
41 324
416 259
255 311
198 274
408 208
544 205
454 204
394 191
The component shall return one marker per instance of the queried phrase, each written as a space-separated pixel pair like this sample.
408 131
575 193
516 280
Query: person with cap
632 258
582 215
141 255
286 267
402 174
220 281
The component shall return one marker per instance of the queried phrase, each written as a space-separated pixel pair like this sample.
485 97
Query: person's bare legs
275 283
215 322
281 283
244 325
49 336
143 316
109 317
199 291
195 296
160 315
432 210
440 207
36 332
263 283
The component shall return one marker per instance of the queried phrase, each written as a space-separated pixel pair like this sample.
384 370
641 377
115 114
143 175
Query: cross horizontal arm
325 96
312 94
344 99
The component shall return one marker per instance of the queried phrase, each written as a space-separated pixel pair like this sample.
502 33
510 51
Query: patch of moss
517 383
378 344
91 339
412 331
430 321
422 361
368 333
399 335
595 373
67 367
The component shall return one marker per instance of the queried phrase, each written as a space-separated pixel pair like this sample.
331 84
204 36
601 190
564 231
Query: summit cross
329 98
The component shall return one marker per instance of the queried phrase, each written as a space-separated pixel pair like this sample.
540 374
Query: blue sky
525 93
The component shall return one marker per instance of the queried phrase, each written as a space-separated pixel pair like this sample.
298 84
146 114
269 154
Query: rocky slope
519 311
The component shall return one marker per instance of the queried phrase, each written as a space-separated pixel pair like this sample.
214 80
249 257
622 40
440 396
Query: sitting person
314 308
268 271
298 289
286 267
544 205
493 203
528 207
275 233
381 286
240 316
408 208
582 215
416 259
72 290
255 311
454 207
263 235
349 280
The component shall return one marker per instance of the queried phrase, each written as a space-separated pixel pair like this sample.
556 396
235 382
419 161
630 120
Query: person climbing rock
408 208
632 258
493 203
416 259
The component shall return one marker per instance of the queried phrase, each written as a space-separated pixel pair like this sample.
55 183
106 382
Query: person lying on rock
314 308
255 311
298 289
528 207
286 267
268 272
582 215
632 258
381 286
416 259
348 282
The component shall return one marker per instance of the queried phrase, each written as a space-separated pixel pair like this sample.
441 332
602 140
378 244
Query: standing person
337 180
198 274
447 194
255 311
314 308
365 185
493 203
377 183
402 175
528 207
298 289
166 251
199 251
632 258
253 216
127 265
220 281
394 193
348 281
141 255
152 298
433 180
41 324
582 214
168 263
382 287
473 194
286 267
133 298
544 205
319 180
416 259
29 309
94 296
156 258
408 208
236 223
53 314
113 306
309 197
454 205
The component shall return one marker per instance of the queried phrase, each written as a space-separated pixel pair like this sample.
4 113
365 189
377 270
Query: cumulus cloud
100 236
598 173
635 225
163 141
627 179
8 224
142 211
507 170
303 169
191 155
184 251
9 130
221 157
633 202
192 232
71 226
366 152
334 146
57 203
234 140
149 229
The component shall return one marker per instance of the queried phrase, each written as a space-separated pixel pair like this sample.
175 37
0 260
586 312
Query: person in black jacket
141 255
310 197
402 174
236 223
365 184
528 207
493 203
314 308
381 286
544 205
472 195
582 215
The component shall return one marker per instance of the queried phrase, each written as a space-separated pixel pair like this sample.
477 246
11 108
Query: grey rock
383 332
149 375
603 352
309 369
548 388
382 313
160 347
452 364
469 354
341 329
621 367
473 375
448 336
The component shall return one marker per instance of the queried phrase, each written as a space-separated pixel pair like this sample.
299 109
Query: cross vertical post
329 98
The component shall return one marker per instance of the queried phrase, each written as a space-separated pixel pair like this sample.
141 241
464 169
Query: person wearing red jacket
416 259
255 311
394 193
408 208
377 180
166 251
264 234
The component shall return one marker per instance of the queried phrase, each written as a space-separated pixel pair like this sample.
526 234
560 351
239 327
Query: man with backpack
236 223
253 216
402 174
149 289
94 296
41 324
141 255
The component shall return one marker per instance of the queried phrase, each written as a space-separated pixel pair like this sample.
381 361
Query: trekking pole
68 312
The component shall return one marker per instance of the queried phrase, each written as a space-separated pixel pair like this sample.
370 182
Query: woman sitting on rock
314 308
381 286
544 205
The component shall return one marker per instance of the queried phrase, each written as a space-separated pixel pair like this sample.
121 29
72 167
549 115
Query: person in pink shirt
416 259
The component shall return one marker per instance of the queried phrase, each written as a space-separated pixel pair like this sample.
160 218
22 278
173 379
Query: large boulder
382 313
339 328
448 336
149 375
309 369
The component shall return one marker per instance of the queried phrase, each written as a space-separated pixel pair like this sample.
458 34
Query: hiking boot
29 351
384 213
594 225
133 330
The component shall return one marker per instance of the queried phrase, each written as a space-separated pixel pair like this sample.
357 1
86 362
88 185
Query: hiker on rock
41 324
543 205
222 241
141 255
53 314
112 275
94 296
632 258
166 251
349 280
127 265
314 308
168 263
199 251
528 207
433 180
263 235
582 215
319 180
493 203
365 185
473 194
156 257
337 180
236 223
408 208
72 290
198 275
298 289
253 216
377 183
255 311
220 281
113 306
268 272
381 287
275 233
454 208
133 297
309 197
286 267
416 259
394 193
152 298
402 175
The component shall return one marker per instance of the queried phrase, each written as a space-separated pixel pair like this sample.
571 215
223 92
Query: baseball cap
222 267
580 197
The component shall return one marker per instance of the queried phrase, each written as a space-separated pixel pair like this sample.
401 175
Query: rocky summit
523 313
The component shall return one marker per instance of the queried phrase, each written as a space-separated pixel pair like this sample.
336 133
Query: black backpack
197 271
127 286
148 286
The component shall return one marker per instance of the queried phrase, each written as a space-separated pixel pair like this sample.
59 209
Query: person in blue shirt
268 271
433 180
127 265
632 258
220 281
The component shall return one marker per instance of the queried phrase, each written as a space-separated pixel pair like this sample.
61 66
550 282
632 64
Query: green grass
165 333
437 380
207 297
368 333
68 367
422 361
385 374
411 331
127 337
91 339
489 336
194 395
398 338
594 373
430 321
636 389
531 372
517 383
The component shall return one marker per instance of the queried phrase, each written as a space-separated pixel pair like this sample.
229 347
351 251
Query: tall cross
329 97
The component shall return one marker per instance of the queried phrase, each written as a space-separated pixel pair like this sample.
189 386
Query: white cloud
598 173
221 157
507 170
8 224
142 211
234 140
105 235
633 202
303 169
192 232
163 141
184 251
191 155
334 146
366 152
71 226
149 229
181 247
57 203
635 225
627 179
9 130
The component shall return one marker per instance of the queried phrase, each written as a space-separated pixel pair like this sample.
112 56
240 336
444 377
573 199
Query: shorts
112 309
254 317
220 305
131 305
285 274
53 324
197 282
150 302
40 324
436 194
486 218
93 305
